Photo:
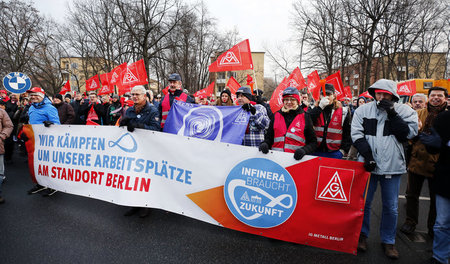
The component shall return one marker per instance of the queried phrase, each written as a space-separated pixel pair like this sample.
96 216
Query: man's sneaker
390 251
36 189
49 192
144 212
2 200
131 211
362 243
408 228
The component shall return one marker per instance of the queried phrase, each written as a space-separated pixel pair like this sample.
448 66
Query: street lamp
301 47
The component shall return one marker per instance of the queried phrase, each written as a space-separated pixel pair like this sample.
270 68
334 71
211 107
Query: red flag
366 95
165 90
123 89
106 87
314 85
65 89
238 58
296 79
348 92
249 79
116 72
233 85
134 74
406 88
276 101
336 81
208 91
92 83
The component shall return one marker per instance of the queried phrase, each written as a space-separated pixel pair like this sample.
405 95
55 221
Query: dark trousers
9 148
415 183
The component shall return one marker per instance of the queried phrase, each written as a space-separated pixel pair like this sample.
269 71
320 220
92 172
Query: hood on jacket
43 103
387 85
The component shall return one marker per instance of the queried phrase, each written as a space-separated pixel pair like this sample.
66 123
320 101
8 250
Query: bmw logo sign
16 82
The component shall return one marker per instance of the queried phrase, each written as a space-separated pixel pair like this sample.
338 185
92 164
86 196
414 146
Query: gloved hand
249 108
299 154
124 121
24 137
369 165
324 102
432 140
387 106
48 123
130 127
264 148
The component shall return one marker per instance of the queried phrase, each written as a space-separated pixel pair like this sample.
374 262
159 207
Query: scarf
433 111
138 108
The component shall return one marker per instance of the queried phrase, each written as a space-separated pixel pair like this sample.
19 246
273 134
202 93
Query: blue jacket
43 111
148 117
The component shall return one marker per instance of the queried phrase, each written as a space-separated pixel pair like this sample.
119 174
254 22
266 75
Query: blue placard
16 82
260 193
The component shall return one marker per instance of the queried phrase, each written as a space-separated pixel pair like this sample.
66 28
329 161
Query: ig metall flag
217 123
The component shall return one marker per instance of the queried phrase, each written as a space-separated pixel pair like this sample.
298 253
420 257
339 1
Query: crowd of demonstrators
421 163
291 129
258 121
371 131
332 125
378 131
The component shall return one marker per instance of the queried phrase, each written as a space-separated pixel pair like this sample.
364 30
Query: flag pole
256 84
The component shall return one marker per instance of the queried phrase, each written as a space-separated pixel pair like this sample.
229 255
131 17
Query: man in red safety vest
332 123
175 92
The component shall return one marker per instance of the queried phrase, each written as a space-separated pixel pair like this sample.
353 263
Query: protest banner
315 201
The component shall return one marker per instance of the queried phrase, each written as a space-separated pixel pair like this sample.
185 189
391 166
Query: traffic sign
16 82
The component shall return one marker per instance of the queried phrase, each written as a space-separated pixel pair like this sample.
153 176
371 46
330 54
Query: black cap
174 77
59 96
329 88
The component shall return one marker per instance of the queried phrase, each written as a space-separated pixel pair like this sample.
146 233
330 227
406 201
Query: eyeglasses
289 99
136 94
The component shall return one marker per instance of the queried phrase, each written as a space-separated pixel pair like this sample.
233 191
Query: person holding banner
291 129
175 92
258 121
378 130
141 115
332 126
40 112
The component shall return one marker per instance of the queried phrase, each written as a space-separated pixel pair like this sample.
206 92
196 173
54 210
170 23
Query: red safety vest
334 130
288 140
165 106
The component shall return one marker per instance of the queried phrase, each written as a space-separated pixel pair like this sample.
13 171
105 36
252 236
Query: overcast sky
264 22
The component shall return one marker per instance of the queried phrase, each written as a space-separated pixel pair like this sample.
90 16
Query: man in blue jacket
41 111
142 115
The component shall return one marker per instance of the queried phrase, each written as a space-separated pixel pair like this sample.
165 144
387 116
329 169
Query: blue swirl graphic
203 122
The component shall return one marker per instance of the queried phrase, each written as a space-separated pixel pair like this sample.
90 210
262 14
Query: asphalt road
65 228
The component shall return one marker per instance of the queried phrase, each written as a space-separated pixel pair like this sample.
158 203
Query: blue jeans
390 186
441 242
